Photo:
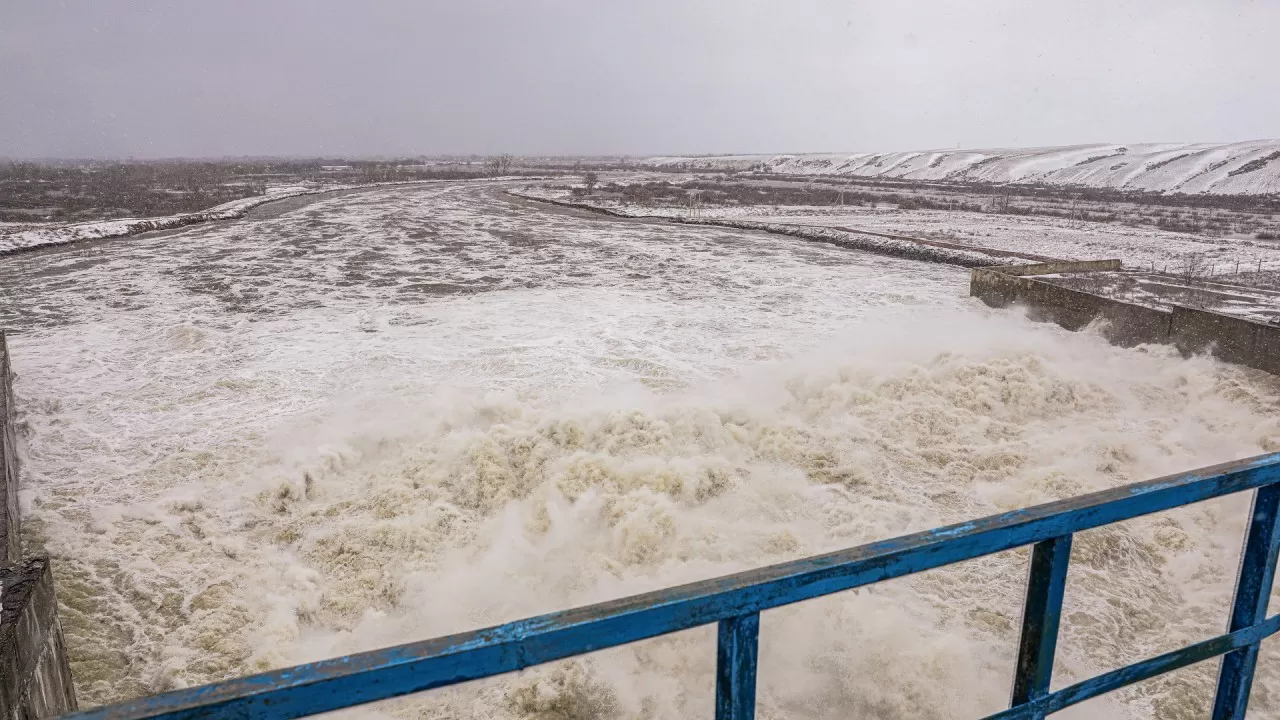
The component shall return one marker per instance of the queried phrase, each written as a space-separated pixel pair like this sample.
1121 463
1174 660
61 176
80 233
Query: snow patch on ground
1061 237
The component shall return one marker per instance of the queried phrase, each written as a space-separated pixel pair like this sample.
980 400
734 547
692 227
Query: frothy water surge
229 485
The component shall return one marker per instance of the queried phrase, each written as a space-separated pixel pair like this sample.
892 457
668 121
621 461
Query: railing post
1253 592
1047 580
736 667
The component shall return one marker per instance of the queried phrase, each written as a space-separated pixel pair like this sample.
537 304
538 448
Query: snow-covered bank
1026 236
882 245
29 237
1241 168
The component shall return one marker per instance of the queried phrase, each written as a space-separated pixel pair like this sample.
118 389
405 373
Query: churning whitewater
342 424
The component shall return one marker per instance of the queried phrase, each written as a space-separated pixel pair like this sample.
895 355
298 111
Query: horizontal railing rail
736 601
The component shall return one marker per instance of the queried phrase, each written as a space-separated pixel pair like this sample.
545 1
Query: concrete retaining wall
1228 338
1127 324
35 678
10 540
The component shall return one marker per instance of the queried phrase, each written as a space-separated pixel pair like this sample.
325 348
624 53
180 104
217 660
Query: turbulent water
399 414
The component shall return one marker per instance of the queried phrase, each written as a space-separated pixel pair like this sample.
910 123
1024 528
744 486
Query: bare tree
498 164
589 180
1193 266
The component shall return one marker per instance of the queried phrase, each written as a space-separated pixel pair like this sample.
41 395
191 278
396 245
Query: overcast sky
368 77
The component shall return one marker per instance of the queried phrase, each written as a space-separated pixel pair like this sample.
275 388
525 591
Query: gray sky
365 77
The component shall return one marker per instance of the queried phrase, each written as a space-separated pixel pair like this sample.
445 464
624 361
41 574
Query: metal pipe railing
736 601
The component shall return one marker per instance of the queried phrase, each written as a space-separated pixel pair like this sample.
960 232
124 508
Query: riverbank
879 243
35 238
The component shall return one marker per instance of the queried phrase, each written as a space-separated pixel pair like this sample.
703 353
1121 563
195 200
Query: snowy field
1057 237
1248 168
416 411
1060 238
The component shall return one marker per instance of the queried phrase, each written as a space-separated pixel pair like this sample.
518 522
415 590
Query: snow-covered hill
1246 168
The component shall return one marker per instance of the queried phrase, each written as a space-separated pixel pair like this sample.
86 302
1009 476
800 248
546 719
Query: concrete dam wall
35 678
1228 338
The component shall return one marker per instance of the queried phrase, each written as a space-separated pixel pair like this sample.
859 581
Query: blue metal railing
735 602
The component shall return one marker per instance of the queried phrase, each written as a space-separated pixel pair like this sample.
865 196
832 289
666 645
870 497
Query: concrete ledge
1050 268
35 678
1228 338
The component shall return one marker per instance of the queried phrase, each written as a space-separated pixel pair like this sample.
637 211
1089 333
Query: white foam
230 487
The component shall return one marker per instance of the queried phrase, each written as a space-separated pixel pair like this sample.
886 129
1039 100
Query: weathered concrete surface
1061 266
1127 324
1231 339
10 540
35 678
